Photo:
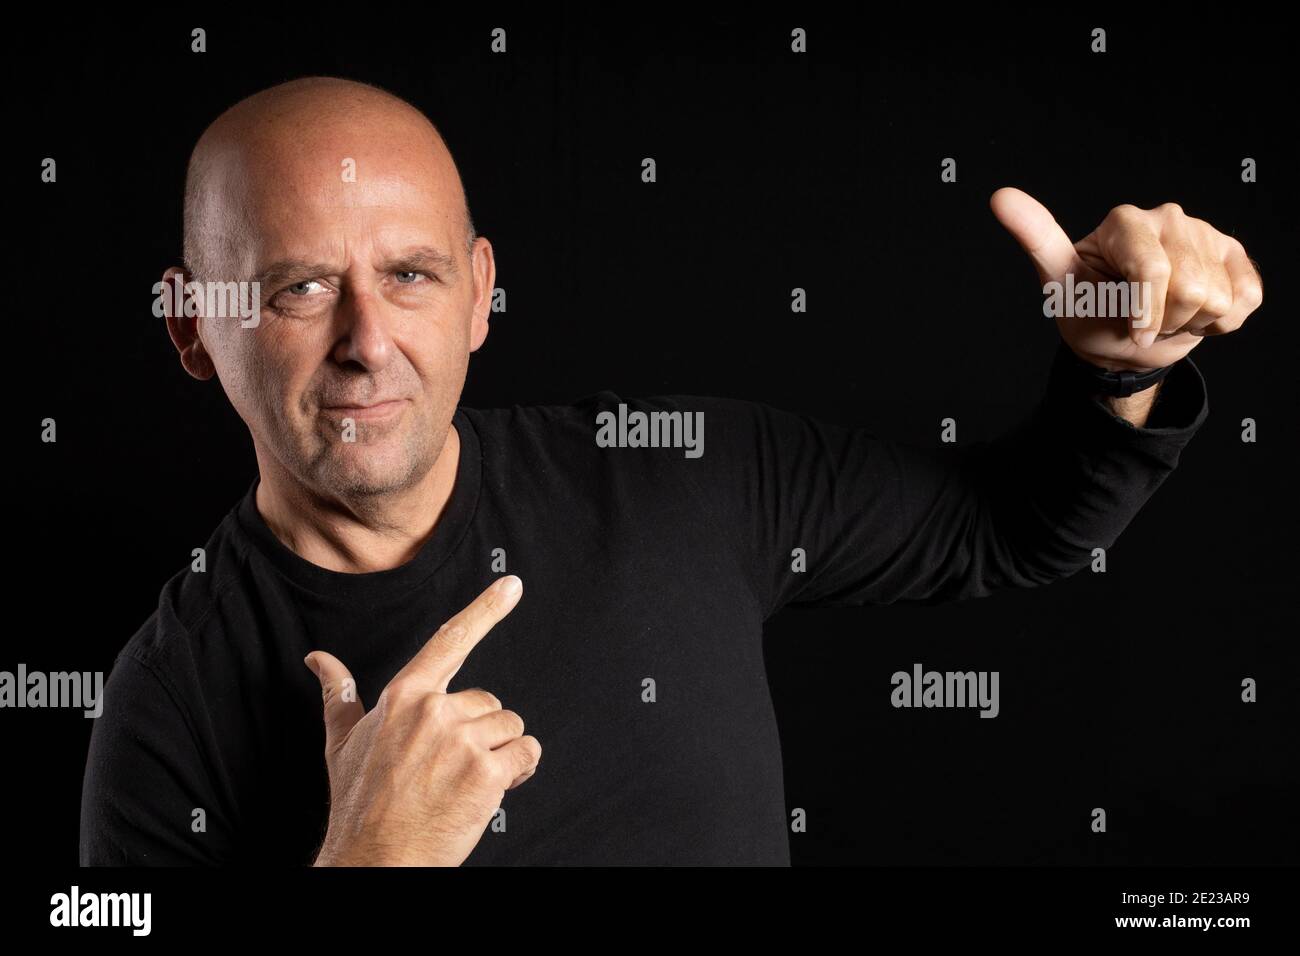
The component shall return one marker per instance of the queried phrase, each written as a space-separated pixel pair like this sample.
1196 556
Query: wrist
1134 409
1118 383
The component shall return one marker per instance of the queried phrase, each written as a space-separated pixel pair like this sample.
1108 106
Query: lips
374 412
352 406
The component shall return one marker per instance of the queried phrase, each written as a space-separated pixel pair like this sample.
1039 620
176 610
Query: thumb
343 707
1038 233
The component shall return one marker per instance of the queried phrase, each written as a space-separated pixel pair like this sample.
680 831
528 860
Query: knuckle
485 697
344 692
462 738
461 750
514 721
1171 209
454 633
330 689
1156 269
1218 307
433 707
1218 302
479 766
398 693
1251 294
1187 292
1125 213
527 763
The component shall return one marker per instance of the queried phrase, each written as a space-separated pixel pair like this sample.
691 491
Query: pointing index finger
442 655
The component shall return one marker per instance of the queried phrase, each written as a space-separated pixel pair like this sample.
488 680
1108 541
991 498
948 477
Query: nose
364 336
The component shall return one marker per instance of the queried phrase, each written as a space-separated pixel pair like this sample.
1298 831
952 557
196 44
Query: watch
1119 384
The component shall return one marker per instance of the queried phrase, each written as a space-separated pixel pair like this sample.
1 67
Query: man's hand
416 781
1202 282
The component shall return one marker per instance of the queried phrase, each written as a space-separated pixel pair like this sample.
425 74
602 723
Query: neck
356 537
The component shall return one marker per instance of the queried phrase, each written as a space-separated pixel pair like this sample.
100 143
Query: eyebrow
422 257
288 271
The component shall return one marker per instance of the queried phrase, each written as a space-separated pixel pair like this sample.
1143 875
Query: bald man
388 535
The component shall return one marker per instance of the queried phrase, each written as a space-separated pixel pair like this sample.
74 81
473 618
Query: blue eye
413 275
299 288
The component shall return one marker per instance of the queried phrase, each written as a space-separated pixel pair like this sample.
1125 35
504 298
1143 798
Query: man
389 530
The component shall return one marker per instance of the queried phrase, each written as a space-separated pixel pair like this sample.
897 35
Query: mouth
377 410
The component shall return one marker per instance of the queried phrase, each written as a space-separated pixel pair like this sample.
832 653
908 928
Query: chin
366 470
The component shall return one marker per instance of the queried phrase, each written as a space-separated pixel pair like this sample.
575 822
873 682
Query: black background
775 170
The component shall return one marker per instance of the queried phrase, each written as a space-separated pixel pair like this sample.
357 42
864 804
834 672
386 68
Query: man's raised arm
827 515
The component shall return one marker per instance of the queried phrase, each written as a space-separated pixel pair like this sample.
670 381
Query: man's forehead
382 201
317 219
337 177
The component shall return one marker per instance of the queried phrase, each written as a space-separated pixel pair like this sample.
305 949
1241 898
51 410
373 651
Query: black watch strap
1115 384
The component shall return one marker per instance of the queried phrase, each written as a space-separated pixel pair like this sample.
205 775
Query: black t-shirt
640 565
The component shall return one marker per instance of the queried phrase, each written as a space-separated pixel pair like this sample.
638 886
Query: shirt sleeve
145 779
879 522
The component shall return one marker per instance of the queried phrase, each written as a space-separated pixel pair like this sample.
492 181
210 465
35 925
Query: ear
483 270
182 311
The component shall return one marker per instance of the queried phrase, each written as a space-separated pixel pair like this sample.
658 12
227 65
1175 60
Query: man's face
369 305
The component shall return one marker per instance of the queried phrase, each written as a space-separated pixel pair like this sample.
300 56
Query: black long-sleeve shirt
639 565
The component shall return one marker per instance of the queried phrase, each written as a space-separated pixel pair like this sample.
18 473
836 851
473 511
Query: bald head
262 143
339 207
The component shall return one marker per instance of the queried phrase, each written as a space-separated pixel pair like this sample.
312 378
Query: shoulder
191 602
